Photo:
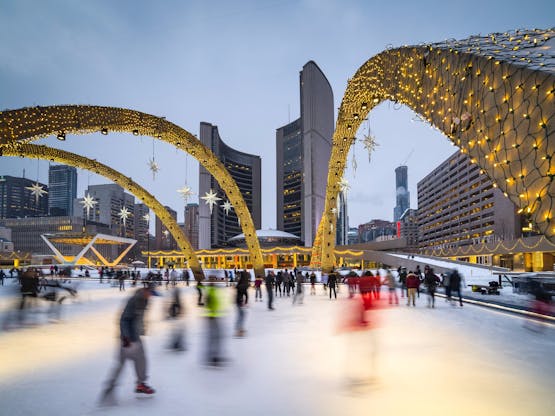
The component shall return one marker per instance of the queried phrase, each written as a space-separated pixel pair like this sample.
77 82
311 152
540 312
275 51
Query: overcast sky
234 64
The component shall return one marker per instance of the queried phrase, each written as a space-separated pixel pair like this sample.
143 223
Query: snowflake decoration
227 207
88 203
185 192
37 191
211 198
344 185
124 213
153 166
369 144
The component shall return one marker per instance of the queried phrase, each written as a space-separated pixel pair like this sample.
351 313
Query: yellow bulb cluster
493 96
24 125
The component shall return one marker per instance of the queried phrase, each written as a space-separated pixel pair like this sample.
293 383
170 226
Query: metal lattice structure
25 125
492 96
55 155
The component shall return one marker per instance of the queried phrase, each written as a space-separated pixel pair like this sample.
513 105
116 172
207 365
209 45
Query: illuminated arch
28 124
72 159
493 96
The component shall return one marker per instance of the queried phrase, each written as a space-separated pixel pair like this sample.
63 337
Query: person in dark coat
131 347
455 280
270 281
431 281
332 282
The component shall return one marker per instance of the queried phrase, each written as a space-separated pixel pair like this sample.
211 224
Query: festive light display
493 96
60 156
24 125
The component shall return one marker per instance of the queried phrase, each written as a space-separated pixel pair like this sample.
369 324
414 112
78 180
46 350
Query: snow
447 360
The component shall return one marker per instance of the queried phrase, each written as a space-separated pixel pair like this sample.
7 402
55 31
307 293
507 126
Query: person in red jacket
412 286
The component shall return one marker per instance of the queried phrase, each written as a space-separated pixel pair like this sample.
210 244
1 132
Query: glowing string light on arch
475 90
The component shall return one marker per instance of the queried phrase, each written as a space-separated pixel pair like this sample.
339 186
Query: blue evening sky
234 64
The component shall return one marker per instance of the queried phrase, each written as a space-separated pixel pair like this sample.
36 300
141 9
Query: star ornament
37 191
88 203
211 198
124 213
185 192
344 185
146 217
153 166
334 211
370 144
226 207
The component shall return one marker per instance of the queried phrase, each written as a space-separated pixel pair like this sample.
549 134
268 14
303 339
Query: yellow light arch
492 96
72 159
27 124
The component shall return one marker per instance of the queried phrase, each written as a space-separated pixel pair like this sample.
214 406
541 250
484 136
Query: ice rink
293 361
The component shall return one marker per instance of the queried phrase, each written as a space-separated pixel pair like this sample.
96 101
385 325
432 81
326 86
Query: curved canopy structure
493 96
27 124
72 159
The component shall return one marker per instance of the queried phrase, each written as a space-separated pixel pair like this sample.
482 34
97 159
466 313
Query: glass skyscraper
402 194
62 190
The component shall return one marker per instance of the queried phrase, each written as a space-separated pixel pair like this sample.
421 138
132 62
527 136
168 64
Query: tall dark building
62 190
142 233
163 239
18 201
402 195
191 225
303 149
217 227
341 235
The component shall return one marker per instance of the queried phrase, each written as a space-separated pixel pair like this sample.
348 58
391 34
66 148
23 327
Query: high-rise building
376 230
110 200
407 227
142 233
17 199
402 194
163 238
62 190
303 149
342 228
458 205
218 226
191 225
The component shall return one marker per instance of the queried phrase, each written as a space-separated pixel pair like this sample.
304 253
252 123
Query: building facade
342 227
303 149
376 230
142 232
402 195
218 226
62 190
17 200
407 227
191 224
458 205
110 200
163 238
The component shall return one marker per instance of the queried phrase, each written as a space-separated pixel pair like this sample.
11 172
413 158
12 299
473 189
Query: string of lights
492 96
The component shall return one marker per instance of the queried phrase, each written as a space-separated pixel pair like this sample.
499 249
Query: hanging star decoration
153 166
185 192
88 203
166 233
334 211
124 213
146 217
37 191
344 185
370 144
211 199
226 207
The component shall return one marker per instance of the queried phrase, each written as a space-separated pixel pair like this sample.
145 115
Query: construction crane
404 162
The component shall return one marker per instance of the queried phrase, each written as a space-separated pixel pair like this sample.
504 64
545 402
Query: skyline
243 87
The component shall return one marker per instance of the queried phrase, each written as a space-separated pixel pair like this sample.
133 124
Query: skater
131 346
175 312
258 288
312 283
455 280
213 314
390 281
121 278
299 295
240 302
270 280
430 281
199 291
403 280
412 286
332 282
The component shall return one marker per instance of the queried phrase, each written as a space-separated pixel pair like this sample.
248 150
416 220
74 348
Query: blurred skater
131 346
213 313
270 280
175 312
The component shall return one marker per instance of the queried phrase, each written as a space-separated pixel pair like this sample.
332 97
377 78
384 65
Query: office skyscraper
17 200
217 227
163 239
402 194
303 149
62 190
191 225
